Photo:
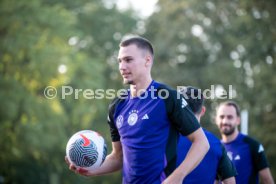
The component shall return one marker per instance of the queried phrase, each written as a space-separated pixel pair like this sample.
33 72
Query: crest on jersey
119 121
132 118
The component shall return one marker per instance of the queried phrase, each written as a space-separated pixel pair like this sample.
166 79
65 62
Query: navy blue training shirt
215 164
148 128
248 157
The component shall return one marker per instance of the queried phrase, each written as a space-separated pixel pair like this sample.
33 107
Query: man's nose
122 66
224 121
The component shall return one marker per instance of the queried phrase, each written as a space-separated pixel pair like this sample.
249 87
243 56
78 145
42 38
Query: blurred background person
216 163
245 152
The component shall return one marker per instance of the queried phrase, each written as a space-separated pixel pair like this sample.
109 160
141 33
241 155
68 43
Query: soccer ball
86 149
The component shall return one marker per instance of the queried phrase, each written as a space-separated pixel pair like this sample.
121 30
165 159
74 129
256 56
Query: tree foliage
221 44
38 37
212 44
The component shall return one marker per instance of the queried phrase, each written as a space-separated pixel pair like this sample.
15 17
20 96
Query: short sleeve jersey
148 127
215 164
249 158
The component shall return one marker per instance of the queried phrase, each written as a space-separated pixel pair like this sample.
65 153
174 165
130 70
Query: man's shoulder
117 100
171 96
253 143
214 142
210 136
167 91
249 139
162 86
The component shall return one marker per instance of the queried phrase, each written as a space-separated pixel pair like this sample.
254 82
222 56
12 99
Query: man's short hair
194 98
233 104
140 42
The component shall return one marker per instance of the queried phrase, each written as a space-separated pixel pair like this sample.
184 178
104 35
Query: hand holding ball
86 150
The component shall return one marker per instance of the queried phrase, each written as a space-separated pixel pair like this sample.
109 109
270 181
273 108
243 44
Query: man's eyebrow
126 57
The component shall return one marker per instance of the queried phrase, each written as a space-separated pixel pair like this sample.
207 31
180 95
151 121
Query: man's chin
128 82
227 132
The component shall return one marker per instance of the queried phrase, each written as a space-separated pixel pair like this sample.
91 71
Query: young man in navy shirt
216 164
145 123
246 153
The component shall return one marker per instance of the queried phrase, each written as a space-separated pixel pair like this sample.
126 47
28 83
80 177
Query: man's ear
203 110
238 120
148 60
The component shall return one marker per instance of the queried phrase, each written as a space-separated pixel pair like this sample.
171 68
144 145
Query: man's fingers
82 171
66 160
75 169
72 167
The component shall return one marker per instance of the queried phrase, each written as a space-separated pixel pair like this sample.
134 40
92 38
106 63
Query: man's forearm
111 164
230 180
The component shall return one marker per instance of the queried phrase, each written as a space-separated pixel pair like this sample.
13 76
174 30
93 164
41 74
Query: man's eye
230 117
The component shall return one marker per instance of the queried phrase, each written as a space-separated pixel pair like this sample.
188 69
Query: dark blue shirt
148 128
248 157
215 164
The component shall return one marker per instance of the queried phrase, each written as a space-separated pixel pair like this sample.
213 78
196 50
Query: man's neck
140 87
198 116
229 138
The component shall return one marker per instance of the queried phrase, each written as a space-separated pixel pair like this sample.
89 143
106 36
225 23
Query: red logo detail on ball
86 140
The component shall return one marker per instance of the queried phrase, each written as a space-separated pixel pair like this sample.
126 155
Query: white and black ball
86 149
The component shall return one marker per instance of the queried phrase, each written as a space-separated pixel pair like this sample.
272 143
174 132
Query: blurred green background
207 44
